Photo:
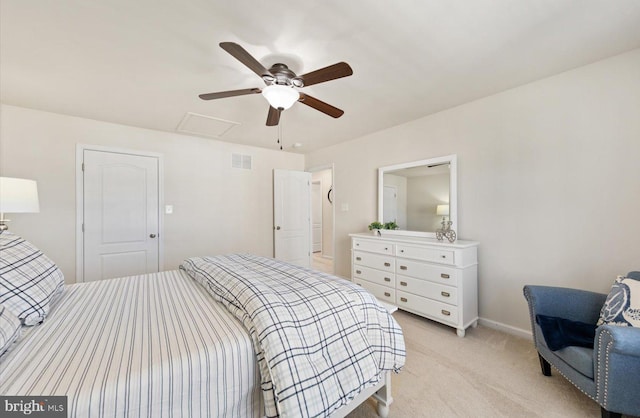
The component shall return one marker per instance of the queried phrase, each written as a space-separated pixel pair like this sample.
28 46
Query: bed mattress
150 345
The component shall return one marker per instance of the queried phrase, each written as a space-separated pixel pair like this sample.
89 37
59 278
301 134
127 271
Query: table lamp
17 196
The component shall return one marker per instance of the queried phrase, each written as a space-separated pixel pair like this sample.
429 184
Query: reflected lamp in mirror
442 210
17 196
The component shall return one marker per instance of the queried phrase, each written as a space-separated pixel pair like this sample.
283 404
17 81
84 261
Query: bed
169 344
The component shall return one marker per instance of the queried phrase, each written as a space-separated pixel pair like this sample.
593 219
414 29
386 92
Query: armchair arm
573 304
617 373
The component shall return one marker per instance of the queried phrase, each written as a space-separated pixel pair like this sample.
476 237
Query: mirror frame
453 192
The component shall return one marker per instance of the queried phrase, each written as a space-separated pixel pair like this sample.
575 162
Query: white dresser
431 278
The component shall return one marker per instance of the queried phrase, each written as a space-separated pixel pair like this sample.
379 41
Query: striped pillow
28 279
9 329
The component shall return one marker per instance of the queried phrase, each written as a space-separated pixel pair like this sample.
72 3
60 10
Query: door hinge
82 166
83 227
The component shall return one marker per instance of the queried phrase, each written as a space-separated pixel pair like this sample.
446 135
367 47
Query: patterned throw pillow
9 329
622 306
28 279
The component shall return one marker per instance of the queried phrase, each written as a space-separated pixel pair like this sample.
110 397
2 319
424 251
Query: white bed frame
380 392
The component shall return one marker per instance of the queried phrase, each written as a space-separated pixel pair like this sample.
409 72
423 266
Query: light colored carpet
485 374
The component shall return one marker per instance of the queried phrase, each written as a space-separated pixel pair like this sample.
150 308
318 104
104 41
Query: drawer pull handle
403 267
386 279
358 272
445 313
387 294
443 256
358 244
386 248
444 276
387 264
403 299
445 294
358 258
403 283
401 251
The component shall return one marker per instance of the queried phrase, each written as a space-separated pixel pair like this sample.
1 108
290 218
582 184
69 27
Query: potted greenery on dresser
375 227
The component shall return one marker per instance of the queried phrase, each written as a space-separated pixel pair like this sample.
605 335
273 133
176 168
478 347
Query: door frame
80 148
330 166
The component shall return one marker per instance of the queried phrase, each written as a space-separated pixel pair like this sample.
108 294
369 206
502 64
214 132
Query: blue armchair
610 372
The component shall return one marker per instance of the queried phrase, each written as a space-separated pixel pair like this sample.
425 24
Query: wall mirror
418 195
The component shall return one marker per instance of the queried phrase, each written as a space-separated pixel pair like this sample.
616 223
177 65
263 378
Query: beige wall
424 194
217 209
548 181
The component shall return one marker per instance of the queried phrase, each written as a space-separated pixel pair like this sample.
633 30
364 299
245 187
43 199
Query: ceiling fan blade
339 70
244 57
273 118
320 105
230 93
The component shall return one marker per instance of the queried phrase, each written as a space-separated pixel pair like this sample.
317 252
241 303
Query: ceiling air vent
197 124
241 161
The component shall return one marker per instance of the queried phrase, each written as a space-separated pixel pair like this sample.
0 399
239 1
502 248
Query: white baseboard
505 328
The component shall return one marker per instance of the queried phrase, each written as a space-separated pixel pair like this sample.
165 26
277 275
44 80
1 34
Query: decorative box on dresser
430 278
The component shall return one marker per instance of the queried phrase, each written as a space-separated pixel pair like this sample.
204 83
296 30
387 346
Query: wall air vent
241 161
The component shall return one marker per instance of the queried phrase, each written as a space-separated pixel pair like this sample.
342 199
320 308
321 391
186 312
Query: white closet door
121 216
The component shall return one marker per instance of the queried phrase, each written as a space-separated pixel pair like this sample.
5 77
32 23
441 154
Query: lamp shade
280 97
18 195
442 210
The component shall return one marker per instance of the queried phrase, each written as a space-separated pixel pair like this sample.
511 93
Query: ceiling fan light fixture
280 97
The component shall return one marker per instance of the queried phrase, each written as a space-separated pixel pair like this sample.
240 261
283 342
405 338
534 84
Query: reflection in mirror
419 195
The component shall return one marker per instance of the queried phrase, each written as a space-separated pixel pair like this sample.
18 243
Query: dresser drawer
435 255
383 293
431 290
439 311
375 246
376 261
384 278
431 272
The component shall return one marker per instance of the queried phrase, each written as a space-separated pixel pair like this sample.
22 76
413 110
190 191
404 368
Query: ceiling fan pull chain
280 134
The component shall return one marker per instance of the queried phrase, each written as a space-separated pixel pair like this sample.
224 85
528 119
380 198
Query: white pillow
28 279
9 329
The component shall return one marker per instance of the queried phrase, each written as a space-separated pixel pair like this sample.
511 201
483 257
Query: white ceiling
144 62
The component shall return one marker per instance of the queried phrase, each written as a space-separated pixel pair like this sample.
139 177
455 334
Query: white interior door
316 215
390 204
292 216
121 215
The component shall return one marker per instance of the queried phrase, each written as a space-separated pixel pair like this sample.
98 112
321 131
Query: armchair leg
546 368
608 414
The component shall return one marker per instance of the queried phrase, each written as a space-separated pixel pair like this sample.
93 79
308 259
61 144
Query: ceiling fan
282 84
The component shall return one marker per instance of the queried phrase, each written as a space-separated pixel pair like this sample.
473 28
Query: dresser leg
461 332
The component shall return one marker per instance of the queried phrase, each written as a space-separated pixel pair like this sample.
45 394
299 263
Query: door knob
152 236
277 228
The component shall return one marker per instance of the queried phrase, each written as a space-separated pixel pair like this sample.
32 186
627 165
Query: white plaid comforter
319 340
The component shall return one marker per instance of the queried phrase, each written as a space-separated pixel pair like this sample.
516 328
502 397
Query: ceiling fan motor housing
282 75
